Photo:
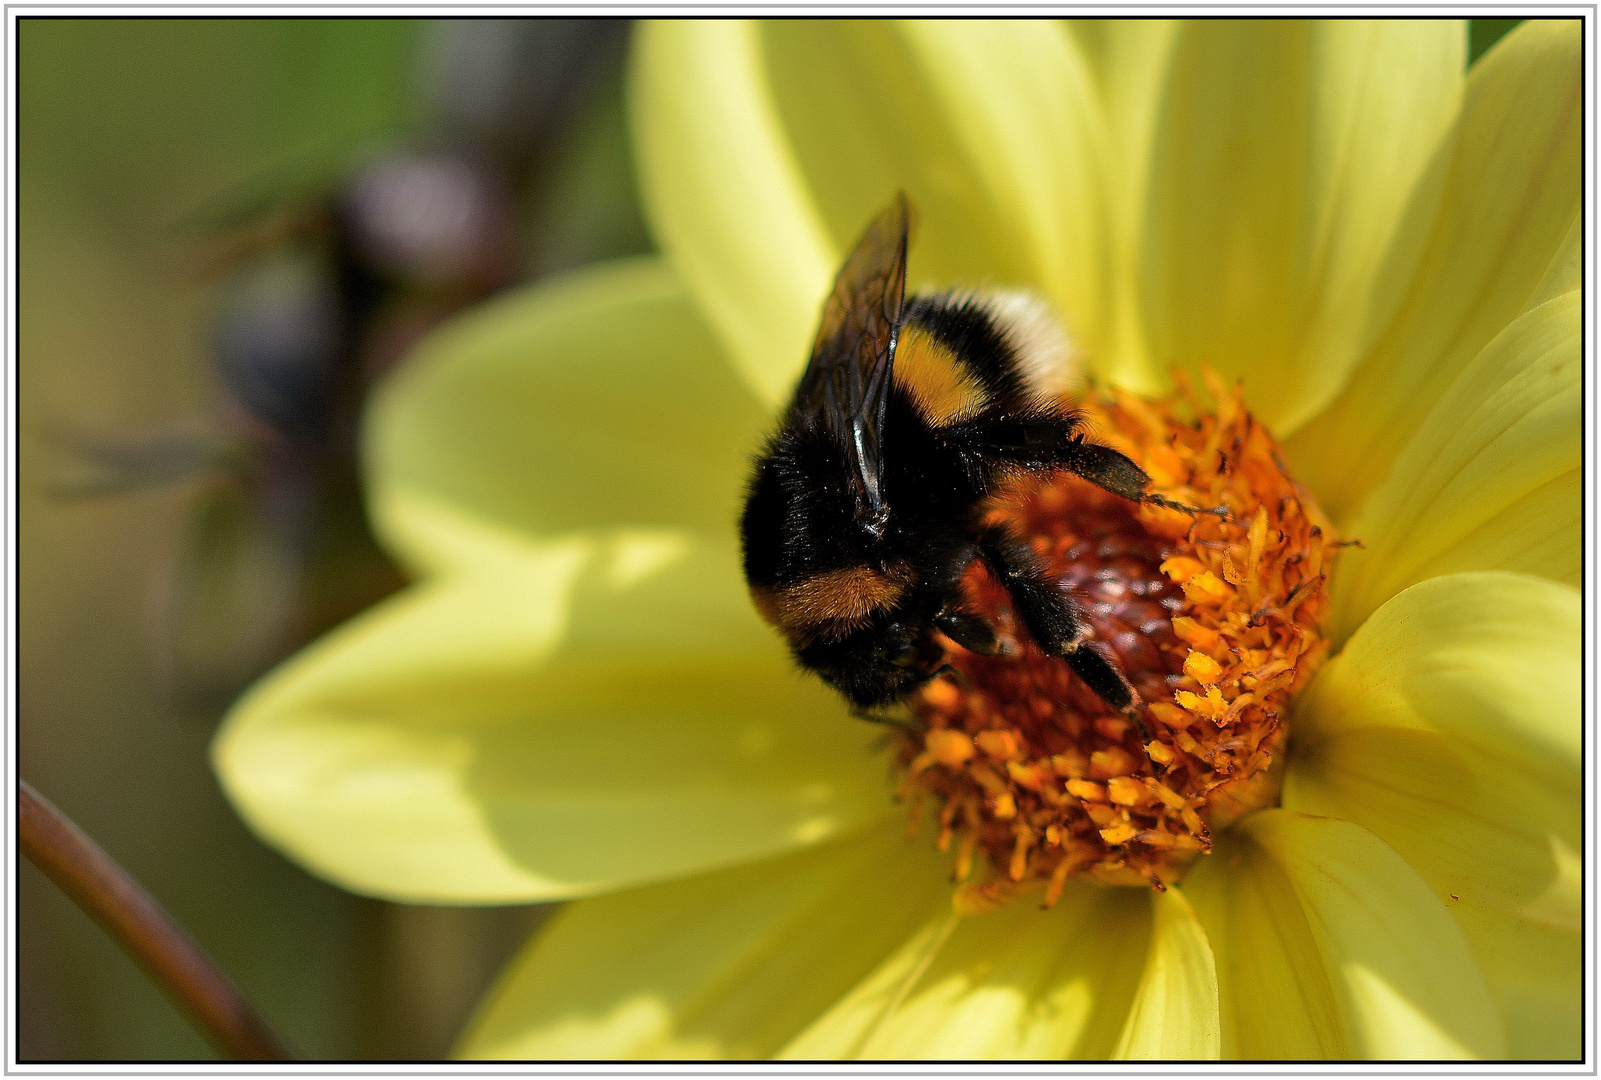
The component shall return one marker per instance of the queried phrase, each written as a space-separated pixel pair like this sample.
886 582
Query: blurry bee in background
866 507
321 293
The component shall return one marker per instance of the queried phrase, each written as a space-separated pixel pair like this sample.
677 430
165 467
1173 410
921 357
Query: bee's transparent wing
846 384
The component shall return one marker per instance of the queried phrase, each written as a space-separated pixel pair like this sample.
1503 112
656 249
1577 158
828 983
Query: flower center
1214 620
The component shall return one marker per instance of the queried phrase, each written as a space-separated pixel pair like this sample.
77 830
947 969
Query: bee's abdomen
832 603
809 572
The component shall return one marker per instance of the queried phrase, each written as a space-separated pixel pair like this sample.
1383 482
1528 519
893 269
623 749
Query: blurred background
229 230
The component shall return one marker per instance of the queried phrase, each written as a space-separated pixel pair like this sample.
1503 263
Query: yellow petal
1014 101
725 195
1129 61
1488 481
1175 1012
745 130
1328 945
600 712
1488 657
1450 727
726 965
1285 154
1461 270
600 401
1565 273
1018 983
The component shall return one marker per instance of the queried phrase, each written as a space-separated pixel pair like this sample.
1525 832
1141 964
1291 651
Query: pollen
1213 618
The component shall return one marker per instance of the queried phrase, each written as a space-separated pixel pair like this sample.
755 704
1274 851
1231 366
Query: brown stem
143 928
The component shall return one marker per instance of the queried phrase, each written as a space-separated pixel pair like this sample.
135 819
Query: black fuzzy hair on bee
866 506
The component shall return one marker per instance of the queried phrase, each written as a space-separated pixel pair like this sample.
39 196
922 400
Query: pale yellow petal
1489 657
725 965
598 402
1330 946
1284 156
1129 61
1450 727
1565 272
1015 100
600 712
1489 479
1463 267
725 195
1175 1012
765 149
1018 983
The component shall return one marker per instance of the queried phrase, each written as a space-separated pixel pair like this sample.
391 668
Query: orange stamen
1213 619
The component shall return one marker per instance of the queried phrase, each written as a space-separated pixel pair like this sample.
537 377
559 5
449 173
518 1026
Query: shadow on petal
547 726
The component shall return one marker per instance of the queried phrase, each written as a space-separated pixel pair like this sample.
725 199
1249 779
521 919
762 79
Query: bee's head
875 666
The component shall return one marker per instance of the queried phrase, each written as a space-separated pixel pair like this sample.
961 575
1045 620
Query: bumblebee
867 506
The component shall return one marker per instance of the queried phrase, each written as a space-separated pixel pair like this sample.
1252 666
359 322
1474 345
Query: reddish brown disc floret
1028 774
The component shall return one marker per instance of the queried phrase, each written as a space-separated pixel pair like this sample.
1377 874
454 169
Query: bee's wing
846 384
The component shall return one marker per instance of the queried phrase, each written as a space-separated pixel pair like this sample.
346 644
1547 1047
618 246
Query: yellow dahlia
1360 798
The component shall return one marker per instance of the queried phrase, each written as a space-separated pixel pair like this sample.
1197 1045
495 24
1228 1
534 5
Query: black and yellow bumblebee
867 506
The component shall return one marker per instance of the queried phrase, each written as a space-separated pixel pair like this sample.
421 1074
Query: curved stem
143 928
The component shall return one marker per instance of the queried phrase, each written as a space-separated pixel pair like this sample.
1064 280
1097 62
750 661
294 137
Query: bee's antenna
1185 508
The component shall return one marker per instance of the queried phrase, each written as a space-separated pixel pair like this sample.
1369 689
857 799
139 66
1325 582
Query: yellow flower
577 700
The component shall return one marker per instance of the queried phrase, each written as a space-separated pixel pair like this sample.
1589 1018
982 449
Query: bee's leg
969 631
1114 471
1044 608
1052 617
1100 673
1044 442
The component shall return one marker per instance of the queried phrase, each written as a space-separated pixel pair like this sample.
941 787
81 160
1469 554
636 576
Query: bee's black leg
1106 468
1109 469
1042 605
1052 618
969 631
1091 663
1047 442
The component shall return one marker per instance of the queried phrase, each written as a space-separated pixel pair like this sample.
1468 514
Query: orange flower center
1030 776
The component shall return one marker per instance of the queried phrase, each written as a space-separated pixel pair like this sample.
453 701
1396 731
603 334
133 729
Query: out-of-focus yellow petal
1129 60
726 965
1488 481
1509 180
1175 1012
726 196
1450 727
1284 155
1566 271
601 401
603 712
1329 945
1018 983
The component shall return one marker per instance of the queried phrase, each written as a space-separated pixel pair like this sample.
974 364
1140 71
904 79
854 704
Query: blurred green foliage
1482 33
126 129
145 119
141 142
